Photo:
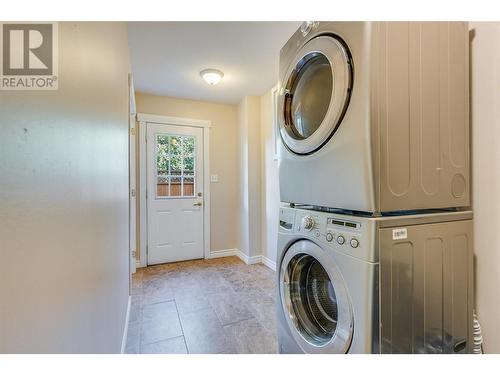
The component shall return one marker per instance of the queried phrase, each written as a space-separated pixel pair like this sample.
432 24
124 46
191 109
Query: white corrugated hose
478 338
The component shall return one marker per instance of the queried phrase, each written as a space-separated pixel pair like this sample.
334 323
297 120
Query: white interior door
174 193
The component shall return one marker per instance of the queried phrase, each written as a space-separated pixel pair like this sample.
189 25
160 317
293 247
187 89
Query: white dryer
349 284
374 116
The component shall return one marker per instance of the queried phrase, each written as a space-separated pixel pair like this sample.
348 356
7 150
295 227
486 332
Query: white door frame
132 177
143 120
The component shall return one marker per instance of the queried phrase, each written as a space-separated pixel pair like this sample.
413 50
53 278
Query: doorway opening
174 189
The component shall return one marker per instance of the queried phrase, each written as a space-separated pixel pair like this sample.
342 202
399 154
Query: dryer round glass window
313 299
315 93
310 96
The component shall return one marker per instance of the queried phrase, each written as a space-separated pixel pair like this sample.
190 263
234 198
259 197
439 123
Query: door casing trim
143 119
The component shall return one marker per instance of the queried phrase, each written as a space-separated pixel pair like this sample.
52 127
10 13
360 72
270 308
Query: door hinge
132 131
146 194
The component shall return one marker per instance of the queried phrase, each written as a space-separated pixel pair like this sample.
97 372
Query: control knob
308 223
329 237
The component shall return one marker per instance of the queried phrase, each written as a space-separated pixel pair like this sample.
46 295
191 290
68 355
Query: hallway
203 306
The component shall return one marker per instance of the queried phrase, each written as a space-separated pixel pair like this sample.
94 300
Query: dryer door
314 299
314 94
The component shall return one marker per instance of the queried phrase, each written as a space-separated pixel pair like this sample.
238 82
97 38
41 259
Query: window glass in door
175 166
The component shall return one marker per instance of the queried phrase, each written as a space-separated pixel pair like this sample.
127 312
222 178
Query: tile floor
203 306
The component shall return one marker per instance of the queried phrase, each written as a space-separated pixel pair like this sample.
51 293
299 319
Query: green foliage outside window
175 155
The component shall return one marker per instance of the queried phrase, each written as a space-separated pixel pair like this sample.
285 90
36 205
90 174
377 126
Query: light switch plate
214 178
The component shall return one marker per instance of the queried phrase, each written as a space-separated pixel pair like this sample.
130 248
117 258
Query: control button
308 223
340 240
317 234
329 237
354 243
306 27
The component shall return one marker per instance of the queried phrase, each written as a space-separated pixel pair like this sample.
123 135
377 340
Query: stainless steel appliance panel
426 288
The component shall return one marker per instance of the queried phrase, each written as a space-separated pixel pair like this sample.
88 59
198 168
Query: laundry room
256 190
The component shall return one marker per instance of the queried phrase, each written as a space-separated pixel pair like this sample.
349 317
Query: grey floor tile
162 311
189 302
157 291
229 307
132 345
204 333
159 322
264 310
249 337
135 309
153 331
174 345
224 305
215 284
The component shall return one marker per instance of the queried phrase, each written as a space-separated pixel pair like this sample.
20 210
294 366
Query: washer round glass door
315 300
315 93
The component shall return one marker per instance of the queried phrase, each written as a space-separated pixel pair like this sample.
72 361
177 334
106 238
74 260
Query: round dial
340 240
308 223
329 237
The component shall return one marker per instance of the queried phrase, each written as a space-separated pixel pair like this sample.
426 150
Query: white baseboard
235 252
138 264
249 260
223 253
245 258
125 329
269 263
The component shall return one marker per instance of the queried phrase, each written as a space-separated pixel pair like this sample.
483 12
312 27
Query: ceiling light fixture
211 76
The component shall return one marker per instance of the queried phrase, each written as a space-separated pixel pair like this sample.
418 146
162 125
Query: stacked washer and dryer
375 231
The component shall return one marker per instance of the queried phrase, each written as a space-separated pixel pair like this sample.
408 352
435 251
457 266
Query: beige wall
269 181
485 115
223 159
64 263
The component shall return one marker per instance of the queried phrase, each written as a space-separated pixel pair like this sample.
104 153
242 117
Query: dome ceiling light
211 76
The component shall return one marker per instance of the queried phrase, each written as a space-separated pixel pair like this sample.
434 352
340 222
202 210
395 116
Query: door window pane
175 166
175 145
188 165
189 145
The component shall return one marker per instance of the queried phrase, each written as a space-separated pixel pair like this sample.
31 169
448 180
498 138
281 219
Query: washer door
315 300
315 94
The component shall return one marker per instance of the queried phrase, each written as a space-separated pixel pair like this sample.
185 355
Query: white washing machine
374 116
350 284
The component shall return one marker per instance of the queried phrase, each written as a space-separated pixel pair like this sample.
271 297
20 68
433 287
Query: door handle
198 204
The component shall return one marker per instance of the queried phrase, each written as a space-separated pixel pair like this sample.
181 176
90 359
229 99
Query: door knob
198 204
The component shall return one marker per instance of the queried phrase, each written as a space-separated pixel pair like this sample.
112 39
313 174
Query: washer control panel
352 235
335 231
345 232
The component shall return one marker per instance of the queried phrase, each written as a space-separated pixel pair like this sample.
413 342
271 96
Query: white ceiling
168 56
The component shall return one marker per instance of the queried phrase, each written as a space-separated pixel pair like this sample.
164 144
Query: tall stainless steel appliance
374 139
